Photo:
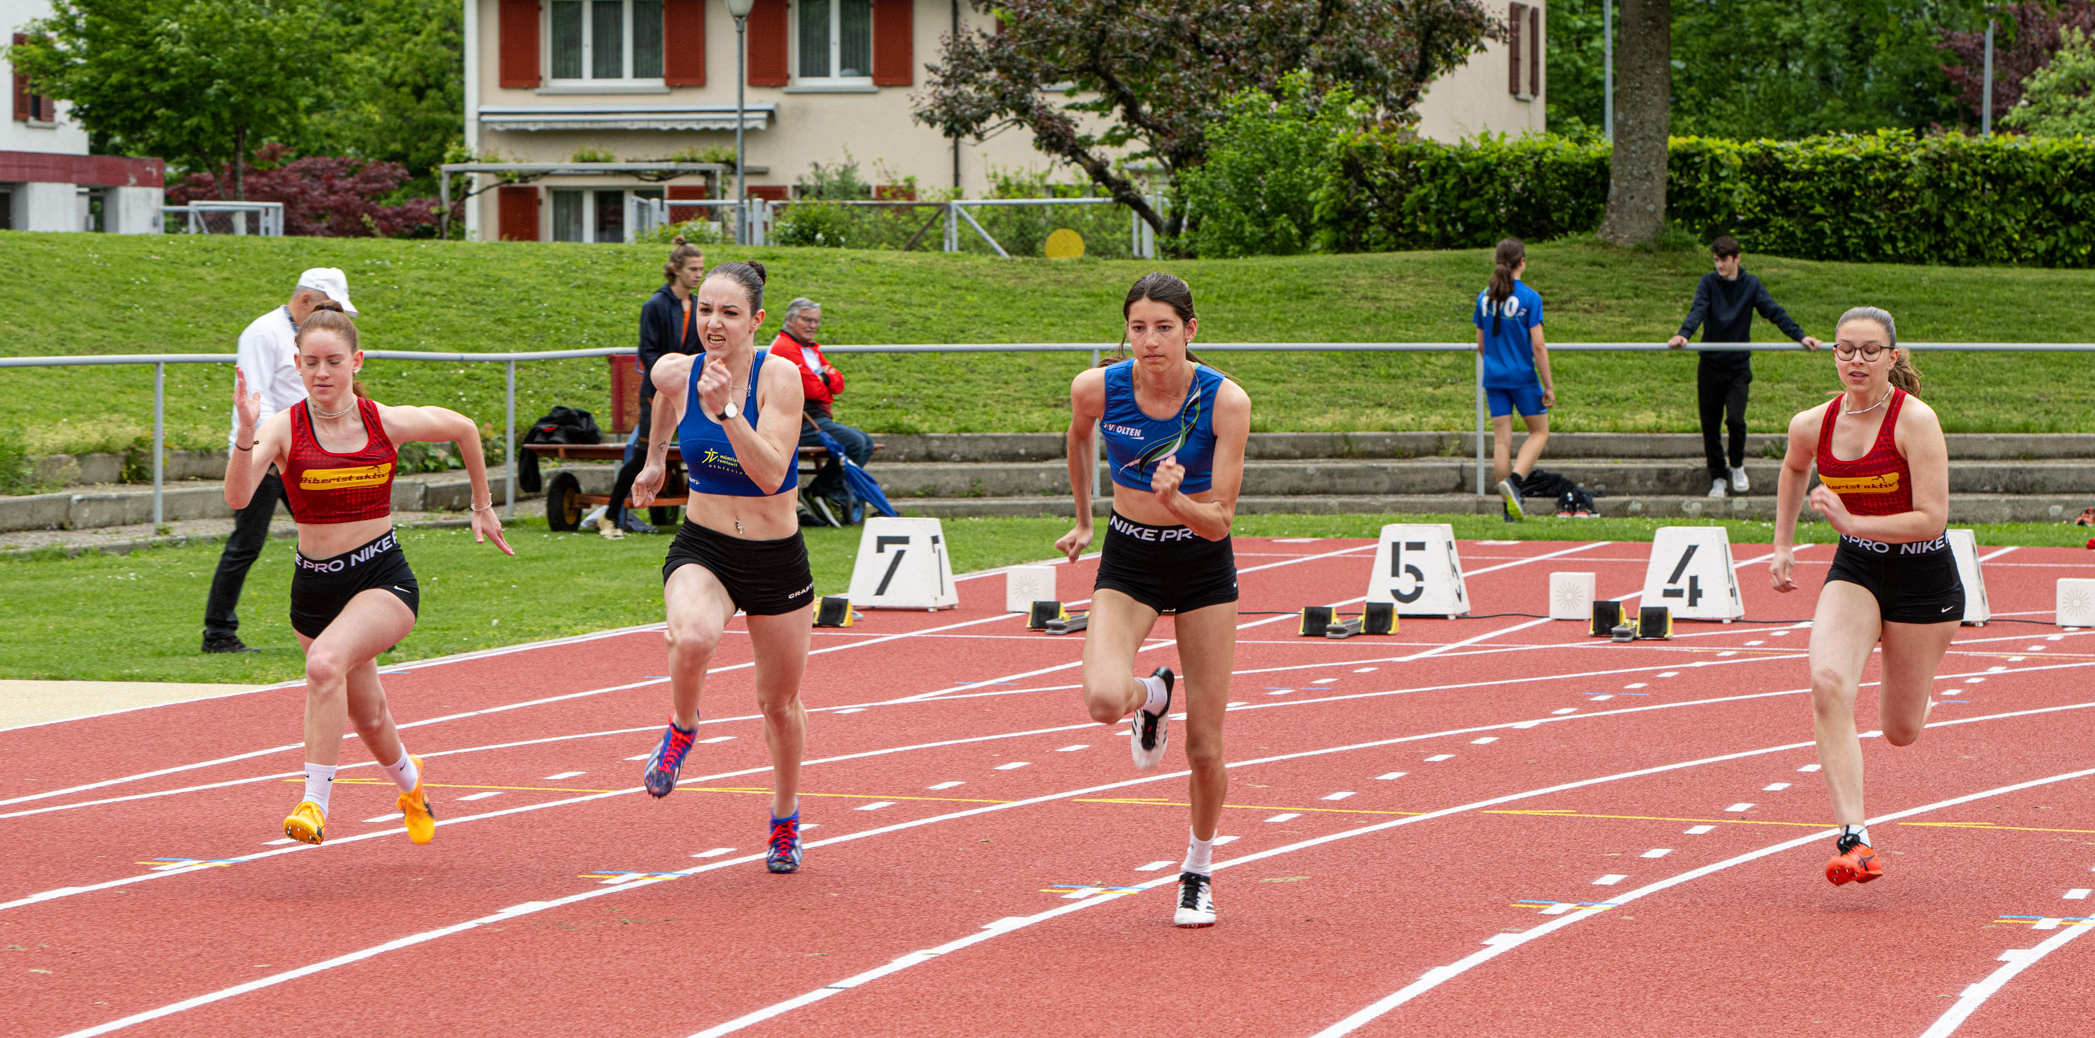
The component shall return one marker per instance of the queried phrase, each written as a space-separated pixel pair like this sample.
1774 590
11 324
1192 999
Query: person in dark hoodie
1723 309
666 328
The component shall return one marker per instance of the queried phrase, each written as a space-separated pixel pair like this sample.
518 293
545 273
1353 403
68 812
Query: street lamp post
739 9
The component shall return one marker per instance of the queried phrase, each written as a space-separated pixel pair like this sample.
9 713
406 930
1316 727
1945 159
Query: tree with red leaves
328 196
2024 41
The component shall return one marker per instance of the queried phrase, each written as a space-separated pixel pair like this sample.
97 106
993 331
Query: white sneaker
1196 901
1739 482
1716 488
609 530
1152 731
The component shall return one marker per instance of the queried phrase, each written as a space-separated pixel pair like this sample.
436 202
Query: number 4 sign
902 564
1691 574
1418 569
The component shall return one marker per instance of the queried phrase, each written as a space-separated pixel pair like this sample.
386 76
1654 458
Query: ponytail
1507 258
1904 375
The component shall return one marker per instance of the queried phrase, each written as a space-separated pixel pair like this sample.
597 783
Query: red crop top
325 487
1879 482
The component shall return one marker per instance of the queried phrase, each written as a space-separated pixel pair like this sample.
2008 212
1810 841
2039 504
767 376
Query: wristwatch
728 414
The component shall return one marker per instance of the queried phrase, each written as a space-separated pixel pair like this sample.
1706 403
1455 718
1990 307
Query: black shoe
229 643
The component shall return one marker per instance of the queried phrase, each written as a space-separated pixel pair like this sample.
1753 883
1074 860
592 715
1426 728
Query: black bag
560 425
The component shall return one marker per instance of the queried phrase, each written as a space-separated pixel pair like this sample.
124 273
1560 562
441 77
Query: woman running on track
736 410
352 594
1508 316
1884 471
1175 432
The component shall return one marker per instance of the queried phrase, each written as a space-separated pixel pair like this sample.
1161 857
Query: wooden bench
566 503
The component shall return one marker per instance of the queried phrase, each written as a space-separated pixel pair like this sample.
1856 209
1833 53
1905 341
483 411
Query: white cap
333 282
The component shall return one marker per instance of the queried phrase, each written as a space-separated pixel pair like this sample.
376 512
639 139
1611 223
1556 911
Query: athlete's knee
1204 754
1831 689
1107 705
779 710
1902 733
691 640
327 672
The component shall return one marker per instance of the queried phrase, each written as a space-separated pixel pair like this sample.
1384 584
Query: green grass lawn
138 617
104 294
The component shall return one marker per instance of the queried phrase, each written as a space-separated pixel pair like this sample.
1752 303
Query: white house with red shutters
48 181
646 80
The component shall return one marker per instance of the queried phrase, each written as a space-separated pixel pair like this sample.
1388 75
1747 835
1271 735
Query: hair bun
759 268
678 240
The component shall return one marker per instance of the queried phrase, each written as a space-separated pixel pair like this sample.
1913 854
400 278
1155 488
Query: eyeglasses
1869 352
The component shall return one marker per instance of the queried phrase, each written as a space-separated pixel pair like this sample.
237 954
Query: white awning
623 117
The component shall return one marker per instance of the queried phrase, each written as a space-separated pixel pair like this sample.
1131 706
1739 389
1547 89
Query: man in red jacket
827 495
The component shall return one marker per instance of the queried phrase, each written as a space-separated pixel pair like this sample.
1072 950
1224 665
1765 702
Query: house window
836 40
602 214
604 40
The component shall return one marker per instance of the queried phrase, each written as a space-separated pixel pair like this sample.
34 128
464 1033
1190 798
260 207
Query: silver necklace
333 414
1872 407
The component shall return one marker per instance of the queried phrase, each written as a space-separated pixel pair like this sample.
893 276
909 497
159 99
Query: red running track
1475 826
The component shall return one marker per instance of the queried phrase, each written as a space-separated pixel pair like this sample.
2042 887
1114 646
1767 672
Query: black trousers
243 545
1721 394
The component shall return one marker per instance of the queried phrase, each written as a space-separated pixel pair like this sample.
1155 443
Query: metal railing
761 217
159 363
263 219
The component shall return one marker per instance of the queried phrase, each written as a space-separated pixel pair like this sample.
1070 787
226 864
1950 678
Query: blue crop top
708 456
1135 442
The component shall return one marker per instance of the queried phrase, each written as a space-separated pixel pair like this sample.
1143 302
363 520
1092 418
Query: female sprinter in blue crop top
1174 433
736 410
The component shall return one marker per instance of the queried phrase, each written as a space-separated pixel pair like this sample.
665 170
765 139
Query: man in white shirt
269 361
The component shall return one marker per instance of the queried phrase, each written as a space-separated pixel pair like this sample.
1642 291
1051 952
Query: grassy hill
104 294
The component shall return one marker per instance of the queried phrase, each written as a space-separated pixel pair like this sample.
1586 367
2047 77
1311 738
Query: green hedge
1889 197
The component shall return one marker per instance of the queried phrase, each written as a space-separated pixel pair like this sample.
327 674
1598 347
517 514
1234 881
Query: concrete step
1024 447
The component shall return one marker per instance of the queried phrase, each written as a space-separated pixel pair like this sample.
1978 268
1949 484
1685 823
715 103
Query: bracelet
249 447
471 507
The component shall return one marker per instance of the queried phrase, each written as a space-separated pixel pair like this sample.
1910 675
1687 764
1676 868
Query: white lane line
1738 809
394 817
1439 975
1485 741
1608 880
562 775
1074 748
1340 795
1154 866
1656 852
1436 758
2077 894
1220 840
482 796
1698 830
1809 768
1385 777
1013 766
945 785
875 805
1774 787
718 738
1001 926
1284 816
2017 960
641 756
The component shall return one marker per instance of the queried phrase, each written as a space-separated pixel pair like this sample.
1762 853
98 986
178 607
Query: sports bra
1879 482
1135 442
709 458
326 487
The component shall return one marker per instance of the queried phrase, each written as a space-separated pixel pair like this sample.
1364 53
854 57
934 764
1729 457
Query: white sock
1200 854
1859 831
1159 696
320 780
404 773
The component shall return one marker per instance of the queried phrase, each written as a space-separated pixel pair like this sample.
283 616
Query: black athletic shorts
1914 583
322 588
763 578
1170 569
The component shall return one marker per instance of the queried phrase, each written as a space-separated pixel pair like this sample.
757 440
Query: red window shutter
768 32
894 40
687 192
769 192
1534 52
24 108
683 43
518 30
518 209
46 109
1513 48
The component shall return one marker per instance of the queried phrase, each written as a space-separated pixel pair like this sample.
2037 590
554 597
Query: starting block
1044 612
1692 575
902 564
1324 621
834 611
1607 615
1654 623
1069 624
2076 602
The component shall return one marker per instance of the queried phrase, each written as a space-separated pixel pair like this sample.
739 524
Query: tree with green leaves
201 83
2058 100
1104 84
400 92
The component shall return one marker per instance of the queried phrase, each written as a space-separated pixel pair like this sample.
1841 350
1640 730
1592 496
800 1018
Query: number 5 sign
1418 569
902 564
1692 575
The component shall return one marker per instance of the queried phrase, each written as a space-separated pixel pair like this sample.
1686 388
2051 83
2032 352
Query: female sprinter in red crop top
736 410
1884 474
352 595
